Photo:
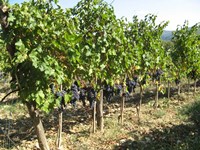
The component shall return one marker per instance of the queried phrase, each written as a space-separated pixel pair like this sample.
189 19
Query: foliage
147 37
193 112
89 42
42 38
102 48
186 52
4 58
42 43
170 70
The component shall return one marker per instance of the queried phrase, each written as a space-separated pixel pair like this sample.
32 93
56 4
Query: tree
102 46
37 35
186 51
146 38
170 70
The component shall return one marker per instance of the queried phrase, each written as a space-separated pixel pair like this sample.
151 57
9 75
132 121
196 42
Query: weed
159 113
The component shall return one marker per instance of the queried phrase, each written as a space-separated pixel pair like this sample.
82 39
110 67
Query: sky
174 11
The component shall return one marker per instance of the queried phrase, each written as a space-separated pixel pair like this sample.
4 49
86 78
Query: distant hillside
198 32
167 35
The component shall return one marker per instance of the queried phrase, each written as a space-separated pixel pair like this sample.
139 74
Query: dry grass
163 128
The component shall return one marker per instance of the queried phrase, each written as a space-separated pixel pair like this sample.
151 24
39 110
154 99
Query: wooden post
195 85
94 118
60 120
101 111
188 85
123 98
156 97
168 91
59 138
122 109
179 89
138 107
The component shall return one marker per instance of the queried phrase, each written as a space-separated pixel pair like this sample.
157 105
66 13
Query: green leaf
103 50
88 53
40 94
102 66
11 18
19 43
90 71
67 97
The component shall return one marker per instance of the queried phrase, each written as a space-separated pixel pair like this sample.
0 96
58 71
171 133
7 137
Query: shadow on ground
14 131
177 137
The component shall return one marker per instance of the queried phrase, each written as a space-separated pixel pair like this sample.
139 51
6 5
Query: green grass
15 110
159 113
192 111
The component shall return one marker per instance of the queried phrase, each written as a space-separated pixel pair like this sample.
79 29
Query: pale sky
174 11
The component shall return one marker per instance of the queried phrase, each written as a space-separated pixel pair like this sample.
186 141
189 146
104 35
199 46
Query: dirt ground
173 125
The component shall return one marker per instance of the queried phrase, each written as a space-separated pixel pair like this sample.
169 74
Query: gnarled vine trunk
37 123
100 111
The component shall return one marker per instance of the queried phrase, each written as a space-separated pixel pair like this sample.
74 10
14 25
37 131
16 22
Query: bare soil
167 127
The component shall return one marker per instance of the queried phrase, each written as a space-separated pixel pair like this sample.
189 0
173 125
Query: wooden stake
94 118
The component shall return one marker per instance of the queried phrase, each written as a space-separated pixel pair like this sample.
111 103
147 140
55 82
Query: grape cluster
157 74
177 81
75 93
118 89
87 92
193 74
59 94
108 91
83 94
131 84
1 75
91 95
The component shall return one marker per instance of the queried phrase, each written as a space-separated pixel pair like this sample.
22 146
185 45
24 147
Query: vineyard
80 78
